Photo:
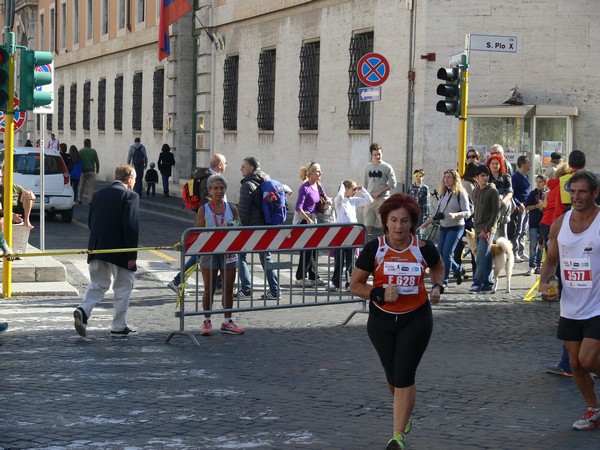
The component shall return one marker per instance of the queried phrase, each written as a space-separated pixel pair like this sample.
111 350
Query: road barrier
284 243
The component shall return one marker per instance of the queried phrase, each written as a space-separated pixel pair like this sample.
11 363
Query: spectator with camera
453 208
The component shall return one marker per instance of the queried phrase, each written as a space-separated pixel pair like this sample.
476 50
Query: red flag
170 12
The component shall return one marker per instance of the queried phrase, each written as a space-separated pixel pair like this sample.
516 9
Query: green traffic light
31 79
4 75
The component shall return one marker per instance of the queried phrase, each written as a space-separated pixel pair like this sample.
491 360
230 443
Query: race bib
577 273
406 275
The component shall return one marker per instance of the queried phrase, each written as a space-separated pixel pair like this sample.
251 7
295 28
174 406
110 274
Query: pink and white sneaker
231 328
206 329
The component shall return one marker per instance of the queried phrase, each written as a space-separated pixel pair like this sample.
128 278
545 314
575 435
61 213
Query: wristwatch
438 286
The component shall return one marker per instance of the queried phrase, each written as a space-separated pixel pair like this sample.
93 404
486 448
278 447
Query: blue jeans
447 242
535 251
190 262
244 273
165 181
483 276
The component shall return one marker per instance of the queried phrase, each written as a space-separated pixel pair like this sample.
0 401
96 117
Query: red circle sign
18 118
373 69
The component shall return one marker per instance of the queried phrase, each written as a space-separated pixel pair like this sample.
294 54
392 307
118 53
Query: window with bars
60 106
73 107
87 95
266 90
359 113
48 122
118 107
158 95
308 114
230 92
102 104
136 108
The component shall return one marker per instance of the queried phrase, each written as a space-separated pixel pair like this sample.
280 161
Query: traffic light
4 56
451 91
32 77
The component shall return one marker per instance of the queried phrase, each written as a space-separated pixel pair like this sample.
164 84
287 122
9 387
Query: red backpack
195 192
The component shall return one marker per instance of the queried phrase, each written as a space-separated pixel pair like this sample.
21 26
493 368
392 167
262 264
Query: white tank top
579 270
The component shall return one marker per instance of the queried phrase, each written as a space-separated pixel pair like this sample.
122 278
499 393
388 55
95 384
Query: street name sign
491 43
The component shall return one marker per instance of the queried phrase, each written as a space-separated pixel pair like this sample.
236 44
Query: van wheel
67 216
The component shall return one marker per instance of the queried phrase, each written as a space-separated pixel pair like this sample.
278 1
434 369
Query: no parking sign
19 118
373 69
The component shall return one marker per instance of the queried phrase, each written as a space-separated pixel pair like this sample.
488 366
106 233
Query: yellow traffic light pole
9 136
462 120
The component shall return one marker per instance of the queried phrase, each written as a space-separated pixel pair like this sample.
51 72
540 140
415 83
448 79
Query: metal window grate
102 104
158 99
118 107
87 95
73 107
359 113
266 90
308 114
136 108
61 108
230 92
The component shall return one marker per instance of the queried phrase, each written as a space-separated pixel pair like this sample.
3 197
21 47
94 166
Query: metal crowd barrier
285 243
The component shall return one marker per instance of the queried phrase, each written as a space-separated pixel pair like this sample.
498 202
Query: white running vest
579 270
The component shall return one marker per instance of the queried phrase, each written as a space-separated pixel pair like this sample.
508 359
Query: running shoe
557 370
241 295
206 329
175 288
537 271
475 289
270 296
231 328
397 442
591 420
305 282
80 321
123 333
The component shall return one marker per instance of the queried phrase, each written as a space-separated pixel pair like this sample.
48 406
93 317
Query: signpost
373 69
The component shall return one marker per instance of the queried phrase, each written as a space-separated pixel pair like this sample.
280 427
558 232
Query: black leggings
400 341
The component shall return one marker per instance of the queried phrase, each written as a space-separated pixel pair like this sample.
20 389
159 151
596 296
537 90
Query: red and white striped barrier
235 240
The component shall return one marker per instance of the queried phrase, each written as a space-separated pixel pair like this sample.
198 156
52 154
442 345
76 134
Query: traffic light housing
32 78
4 74
450 90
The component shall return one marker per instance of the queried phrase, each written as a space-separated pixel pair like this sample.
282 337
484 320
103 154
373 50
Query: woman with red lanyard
218 213
400 319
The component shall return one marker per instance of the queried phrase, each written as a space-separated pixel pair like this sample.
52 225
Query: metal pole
371 123
42 183
462 122
9 136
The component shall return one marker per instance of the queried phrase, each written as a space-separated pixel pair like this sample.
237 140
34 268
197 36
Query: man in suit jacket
114 223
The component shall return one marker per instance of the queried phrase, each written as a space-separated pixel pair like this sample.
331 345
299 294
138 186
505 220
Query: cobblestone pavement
295 380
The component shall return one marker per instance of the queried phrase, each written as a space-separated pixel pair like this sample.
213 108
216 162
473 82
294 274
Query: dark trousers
343 263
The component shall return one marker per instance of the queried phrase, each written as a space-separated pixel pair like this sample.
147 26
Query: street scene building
278 80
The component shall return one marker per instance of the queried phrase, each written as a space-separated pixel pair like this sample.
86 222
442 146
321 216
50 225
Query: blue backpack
273 202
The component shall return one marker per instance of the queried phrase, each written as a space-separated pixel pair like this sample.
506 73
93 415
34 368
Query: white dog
502 256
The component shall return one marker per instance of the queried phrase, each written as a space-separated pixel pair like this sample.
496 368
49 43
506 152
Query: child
534 205
345 203
420 192
151 179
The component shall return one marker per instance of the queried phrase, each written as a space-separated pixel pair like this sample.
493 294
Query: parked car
58 194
